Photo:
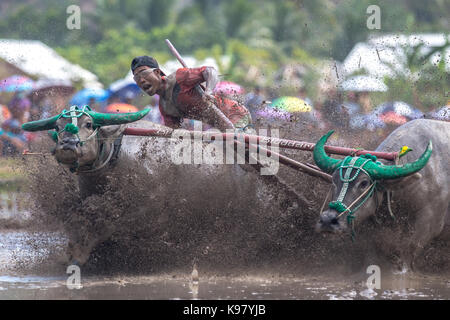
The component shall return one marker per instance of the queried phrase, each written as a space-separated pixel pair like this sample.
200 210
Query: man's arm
188 78
211 77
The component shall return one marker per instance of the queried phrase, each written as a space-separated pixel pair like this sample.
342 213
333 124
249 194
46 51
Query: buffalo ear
399 183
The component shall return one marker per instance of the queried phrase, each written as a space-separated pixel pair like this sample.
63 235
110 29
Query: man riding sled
180 97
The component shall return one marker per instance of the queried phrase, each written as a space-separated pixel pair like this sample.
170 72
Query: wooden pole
282 143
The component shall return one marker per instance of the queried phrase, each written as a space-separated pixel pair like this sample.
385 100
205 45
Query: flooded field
162 287
22 267
251 241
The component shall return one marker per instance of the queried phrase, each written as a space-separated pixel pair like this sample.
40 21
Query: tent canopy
38 60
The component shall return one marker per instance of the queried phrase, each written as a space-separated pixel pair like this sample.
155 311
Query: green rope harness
74 113
349 164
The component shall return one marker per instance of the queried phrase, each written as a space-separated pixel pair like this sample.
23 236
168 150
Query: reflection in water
194 286
194 282
15 250
165 287
12 208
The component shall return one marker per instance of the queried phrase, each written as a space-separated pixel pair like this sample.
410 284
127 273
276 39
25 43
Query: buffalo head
80 133
355 183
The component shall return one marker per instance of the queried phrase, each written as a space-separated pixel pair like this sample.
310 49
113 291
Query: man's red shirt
189 103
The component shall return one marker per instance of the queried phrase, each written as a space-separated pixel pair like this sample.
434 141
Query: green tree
236 13
353 23
431 15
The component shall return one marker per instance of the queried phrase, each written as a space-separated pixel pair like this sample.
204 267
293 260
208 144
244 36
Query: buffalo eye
363 184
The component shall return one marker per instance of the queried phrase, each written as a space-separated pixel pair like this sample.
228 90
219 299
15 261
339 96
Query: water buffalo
88 143
421 186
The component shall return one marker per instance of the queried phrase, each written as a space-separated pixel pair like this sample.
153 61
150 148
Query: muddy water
251 240
13 212
23 266
162 287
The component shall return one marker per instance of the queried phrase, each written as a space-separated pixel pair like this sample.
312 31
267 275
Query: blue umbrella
83 96
125 89
129 92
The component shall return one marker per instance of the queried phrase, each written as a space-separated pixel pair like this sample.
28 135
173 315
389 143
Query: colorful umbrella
369 121
291 104
83 97
120 108
271 113
400 108
16 83
228 88
19 103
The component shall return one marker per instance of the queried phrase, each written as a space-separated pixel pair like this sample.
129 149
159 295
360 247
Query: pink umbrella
228 88
16 83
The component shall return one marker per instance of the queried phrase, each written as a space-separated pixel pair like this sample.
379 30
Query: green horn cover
377 171
100 119
322 160
380 171
39 125
107 119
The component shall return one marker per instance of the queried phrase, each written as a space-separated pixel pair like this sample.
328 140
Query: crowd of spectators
349 111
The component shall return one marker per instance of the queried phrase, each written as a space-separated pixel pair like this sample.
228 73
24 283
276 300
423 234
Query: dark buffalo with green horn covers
419 183
89 144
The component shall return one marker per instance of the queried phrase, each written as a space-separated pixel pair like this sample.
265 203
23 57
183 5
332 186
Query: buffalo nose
70 143
329 218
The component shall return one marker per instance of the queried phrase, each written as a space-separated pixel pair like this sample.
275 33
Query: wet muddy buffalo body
152 215
421 190
95 208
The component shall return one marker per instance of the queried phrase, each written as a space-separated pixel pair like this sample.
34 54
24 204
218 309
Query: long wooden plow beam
307 168
259 140
304 167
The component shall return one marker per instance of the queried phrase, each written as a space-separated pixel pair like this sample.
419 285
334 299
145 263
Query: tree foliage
255 34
